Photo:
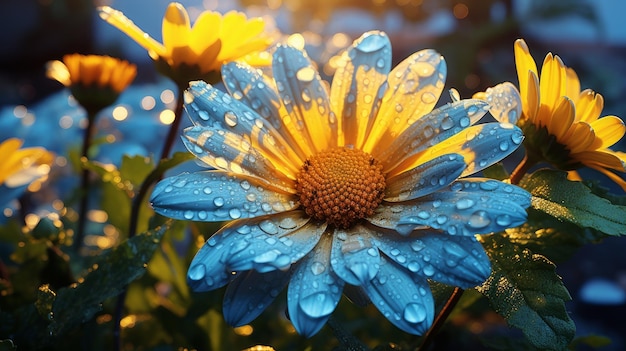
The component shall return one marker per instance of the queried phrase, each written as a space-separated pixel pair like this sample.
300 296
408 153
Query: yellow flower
95 81
561 123
190 53
20 167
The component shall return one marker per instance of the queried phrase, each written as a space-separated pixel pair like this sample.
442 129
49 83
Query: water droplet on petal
414 313
218 201
429 98
230 118
197 272
318 268
318 304
447 123
306 74
428 270
269 227
479 219
371 43
504 145
503 220
234 213
188 214
464 203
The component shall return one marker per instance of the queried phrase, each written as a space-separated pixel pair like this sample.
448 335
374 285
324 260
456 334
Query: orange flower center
341 186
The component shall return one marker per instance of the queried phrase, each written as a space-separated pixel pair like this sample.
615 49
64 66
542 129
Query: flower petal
305 99
353 257
415 86
428 131
425 178
230 152
589 106
273 242
564 112
251 87
505 102
453 260
314 290
480 145
216 196
176 32
525 66
467 207
404 299
359 84
609 130
210 107
249 294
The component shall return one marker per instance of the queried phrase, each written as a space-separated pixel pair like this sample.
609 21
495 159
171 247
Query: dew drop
230 118
413 266
269 227
503 220
464 203
168 189
317 305
317 268
197 272
517 137
218 201
428 270
371 43
188 214
479 219
504 145
234 213
306 74
488 185
447 123
414 313
428 132
429 98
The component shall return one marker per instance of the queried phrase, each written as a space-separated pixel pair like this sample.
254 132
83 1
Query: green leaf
574 202
135 169
548 236
108 278
525 289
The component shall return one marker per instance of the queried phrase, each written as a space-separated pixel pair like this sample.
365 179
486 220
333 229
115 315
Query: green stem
173 132
136 208
441 318
84 181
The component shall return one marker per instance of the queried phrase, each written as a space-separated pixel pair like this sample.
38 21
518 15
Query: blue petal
430 130
245 244
210 107
453 260
233 153
425 178
250 293
466 207
216 196
274 242
248 85
360 83
505 102
314 290
305 98
353 257
405 300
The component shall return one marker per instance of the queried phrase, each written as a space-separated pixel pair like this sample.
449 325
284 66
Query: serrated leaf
108 278
525 289
548 236
574 202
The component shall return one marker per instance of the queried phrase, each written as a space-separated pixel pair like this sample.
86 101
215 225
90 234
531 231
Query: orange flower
95 81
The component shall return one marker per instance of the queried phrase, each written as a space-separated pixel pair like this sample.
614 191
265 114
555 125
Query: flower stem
136 207
173 132
441 318
84 181
522 168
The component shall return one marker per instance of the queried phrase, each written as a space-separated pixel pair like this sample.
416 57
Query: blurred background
475 36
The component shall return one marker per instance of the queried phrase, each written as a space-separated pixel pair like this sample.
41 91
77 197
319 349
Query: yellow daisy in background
20 167
94 80
562 124
197 52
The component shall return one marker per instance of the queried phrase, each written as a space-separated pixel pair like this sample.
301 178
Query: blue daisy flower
358 183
